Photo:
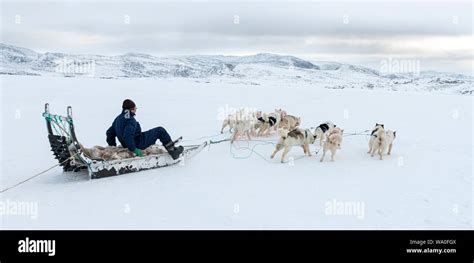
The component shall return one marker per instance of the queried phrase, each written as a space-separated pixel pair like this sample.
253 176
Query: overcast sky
439 34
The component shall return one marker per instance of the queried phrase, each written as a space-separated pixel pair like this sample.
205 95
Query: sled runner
67 150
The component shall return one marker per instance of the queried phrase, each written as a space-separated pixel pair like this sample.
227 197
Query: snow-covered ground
425 184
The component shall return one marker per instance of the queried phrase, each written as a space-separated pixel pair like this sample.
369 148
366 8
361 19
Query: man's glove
138 152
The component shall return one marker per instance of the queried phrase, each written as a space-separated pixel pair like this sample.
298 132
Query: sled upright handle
69 112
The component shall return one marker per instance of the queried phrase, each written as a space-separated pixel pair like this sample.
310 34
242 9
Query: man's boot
173 150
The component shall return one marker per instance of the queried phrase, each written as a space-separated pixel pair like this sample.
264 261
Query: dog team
256 123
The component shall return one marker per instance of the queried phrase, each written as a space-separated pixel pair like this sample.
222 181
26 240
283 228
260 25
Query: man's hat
128 104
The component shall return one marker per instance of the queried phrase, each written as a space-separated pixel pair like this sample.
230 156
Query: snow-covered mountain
255 68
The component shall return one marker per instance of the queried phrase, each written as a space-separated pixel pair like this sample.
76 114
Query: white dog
380 141
333 142
322 129
231 119
377 132
391 135
242 127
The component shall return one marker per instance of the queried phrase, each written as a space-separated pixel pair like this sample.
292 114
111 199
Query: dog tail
333 138
378 135
379 140
330 139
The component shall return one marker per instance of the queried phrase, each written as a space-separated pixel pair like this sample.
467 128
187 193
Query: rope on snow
36 175
266 142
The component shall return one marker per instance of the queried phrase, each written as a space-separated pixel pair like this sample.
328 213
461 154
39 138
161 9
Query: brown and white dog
289 122
295 137
333 142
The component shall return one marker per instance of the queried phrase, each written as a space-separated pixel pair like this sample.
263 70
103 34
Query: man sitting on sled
130 135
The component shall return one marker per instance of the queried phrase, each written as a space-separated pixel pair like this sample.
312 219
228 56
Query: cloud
441 30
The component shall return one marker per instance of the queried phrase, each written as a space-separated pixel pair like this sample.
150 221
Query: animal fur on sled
117 153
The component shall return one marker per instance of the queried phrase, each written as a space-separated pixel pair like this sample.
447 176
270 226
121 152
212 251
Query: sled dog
380 141
378 129
295 137
241 116
333 142
228 121
391 135
232 118
243 127
289 122
322 129
269 121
